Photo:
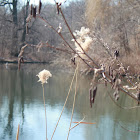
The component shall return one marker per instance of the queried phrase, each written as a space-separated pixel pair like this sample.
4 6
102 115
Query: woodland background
117 22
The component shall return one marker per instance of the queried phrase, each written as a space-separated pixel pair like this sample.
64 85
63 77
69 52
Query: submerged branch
126 108
127 129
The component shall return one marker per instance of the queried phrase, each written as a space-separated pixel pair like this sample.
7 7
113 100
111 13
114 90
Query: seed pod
34 11
138 96
40 5
31 12
109 71
117 83
115 93
57 8
117 97
94 93
90 92
73 60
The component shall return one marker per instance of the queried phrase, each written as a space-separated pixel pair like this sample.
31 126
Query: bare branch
3 3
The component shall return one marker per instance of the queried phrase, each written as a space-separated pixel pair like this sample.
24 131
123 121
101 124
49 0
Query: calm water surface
21 102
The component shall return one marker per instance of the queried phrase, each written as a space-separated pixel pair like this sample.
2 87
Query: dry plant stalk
73 101
77 123
17 132
43 77
65 102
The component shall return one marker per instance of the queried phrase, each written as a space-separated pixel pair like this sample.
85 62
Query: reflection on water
21 102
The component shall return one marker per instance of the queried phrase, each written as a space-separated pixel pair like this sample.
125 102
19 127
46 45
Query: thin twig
65 102
65 41
77 123
127 75
81 57
83 51
129 94
107 49
75 38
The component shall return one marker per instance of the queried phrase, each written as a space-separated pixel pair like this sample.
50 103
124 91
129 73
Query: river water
21 102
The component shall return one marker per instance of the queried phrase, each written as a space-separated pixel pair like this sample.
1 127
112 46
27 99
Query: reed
43 77
17 136
65 102
73 102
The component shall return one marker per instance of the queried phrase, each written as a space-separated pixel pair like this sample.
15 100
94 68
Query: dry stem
64 103
45 110
73 102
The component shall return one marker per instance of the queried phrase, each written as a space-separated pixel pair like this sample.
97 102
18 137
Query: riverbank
63 62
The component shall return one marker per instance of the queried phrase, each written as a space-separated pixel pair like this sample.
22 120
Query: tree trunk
14 47
24 26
